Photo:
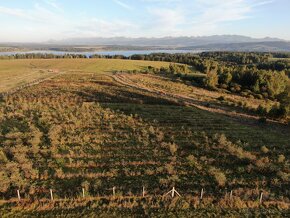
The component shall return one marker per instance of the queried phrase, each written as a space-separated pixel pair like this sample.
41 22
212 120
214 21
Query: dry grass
163 84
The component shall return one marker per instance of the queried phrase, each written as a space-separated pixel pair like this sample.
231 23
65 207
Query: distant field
15 73
280 59
10 80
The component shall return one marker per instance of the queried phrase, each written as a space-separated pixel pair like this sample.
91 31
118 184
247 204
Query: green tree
284 99
212 79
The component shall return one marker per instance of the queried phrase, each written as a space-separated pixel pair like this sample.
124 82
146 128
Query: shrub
283 176
211 80
259 96
251 97
265 95
221 98
262 120
193 162
173 148
262 110
236 88
264 149
263 162
281 158
278 112
223 86
219 176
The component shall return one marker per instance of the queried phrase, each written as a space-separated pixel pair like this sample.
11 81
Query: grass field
84 129
280 59
14 73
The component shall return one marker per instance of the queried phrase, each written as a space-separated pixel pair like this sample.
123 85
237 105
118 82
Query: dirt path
241 117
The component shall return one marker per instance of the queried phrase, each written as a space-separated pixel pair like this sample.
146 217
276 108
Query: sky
43 20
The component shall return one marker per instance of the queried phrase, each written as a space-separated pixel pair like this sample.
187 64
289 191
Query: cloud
54 5
37 14
156 18
199 16
165 20
123 5
104 28
15 12
215 13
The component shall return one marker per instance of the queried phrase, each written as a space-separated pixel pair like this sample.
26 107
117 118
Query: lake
125 53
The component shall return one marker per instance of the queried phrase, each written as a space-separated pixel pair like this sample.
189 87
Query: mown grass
14 73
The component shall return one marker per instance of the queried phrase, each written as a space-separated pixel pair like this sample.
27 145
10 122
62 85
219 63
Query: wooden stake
261 198
173 192
143 192
18 195
51 194
83 192
231 195
114 191
201 194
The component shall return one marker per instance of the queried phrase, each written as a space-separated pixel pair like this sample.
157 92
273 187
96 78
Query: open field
85 129
279 59
14 73
13 79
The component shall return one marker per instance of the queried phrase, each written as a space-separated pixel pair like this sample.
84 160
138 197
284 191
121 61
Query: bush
262 163
278 112
281 158
193 162
262 110
219 176
262 120
265 95
223 86
259 96
221 98
264 149
173 148
236 88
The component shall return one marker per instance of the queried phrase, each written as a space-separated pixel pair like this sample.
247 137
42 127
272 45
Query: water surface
126 53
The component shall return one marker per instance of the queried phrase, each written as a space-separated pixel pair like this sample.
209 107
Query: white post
231 195
261 198
143 192
18 194
51 194
83 192
114 191
173 192
201 194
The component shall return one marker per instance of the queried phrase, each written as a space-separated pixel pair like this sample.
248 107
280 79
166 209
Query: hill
165 41
215 42
270 46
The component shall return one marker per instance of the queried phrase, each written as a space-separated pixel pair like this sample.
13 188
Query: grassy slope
111 135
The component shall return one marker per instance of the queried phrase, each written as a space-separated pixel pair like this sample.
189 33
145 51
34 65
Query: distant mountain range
206 43
215 42
165 41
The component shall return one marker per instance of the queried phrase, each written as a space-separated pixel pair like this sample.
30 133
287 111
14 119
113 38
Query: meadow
88 128
14 73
